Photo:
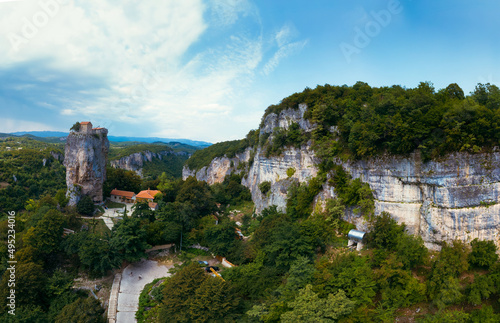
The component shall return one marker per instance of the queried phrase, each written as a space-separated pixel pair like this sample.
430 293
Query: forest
293 264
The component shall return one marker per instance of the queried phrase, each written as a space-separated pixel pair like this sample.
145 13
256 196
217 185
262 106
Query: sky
208 69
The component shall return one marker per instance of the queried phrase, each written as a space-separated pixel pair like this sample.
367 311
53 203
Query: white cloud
141 54
227 12
285 47
284 35
67 112
100 36
12 125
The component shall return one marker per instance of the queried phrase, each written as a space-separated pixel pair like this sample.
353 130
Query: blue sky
207 70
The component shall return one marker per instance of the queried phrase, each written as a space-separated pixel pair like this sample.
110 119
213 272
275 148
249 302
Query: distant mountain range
59 134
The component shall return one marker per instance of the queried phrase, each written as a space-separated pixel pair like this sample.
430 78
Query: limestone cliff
455 197
85 159
135 162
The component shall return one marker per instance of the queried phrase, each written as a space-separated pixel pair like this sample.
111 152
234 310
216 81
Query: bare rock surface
85 159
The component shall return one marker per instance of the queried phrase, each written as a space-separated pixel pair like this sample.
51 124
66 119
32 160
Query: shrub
265 187
85 206
76 126
483 253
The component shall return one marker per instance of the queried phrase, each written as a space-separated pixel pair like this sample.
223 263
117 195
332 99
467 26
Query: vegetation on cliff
228 149
170 163
360 121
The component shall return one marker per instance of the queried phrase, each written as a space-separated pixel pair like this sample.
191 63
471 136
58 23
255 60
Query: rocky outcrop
285 118
300 162
455 197
217 170
135 162
85 160
57 156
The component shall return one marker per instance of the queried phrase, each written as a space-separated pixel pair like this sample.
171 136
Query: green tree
143 211
214 300
99 255
85 206
59 283
61 198
87 310
411 250
483 253
46 236
221 238
198 194
454 91
129 239
451 262
300 274
75 127
155 233
285 245
308 307
385 232
30 285
481 289
450 293
26 313
484 315
179 294
347 272
121 179
398 287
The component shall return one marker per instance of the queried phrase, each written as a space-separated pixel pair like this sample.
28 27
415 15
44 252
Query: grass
100 226
148 306
246 207
114 205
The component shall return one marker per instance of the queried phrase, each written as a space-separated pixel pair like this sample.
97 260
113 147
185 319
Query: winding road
131 286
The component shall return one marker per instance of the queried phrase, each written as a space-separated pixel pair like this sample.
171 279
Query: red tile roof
147 194
126 194
152 205
85 122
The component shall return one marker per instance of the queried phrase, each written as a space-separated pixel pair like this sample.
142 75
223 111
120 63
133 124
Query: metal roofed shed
356 239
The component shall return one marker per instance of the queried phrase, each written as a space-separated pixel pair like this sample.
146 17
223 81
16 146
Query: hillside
151 160
427 157
29 169
57 135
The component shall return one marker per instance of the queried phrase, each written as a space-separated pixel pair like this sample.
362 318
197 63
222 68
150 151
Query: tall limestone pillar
85 158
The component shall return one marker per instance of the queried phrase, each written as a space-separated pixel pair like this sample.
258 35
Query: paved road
131 287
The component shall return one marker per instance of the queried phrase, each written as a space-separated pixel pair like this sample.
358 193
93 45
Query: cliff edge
456 196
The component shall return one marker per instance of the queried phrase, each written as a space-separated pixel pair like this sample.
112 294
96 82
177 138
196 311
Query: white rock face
135 162
285 119
456 197
440 200
85 160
